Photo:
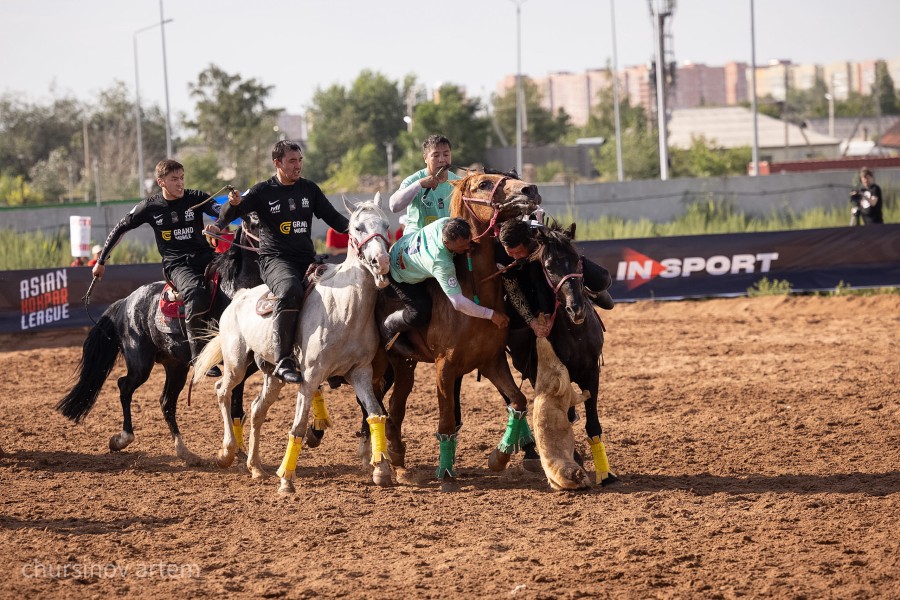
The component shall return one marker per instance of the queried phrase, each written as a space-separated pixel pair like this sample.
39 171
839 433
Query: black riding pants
285 279
187 276
417 300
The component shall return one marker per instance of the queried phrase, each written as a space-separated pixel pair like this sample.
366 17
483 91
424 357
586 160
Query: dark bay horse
455 342
576 335
130 327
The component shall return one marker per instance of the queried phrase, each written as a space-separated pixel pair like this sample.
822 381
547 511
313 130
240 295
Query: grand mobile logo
637 269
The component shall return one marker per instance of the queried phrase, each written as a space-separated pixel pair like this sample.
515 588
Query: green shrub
764 287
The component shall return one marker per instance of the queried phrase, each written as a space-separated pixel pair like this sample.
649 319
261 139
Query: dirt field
757 442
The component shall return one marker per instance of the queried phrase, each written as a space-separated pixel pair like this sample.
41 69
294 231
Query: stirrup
286 370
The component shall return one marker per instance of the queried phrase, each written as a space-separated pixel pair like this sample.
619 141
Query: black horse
576 333
136 328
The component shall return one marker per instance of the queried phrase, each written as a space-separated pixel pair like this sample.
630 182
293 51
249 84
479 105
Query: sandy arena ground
757 442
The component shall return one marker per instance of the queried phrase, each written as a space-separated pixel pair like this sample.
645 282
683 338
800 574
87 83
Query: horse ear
570 233
349 206
377 200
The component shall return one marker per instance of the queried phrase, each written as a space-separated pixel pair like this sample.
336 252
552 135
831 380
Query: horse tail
208 358
98 357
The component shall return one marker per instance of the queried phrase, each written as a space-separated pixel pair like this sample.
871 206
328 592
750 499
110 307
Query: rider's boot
394 326
196 328
284 326
601 299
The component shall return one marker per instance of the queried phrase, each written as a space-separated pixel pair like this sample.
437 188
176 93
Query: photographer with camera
866 200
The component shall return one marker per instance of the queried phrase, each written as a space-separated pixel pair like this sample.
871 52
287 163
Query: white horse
336 336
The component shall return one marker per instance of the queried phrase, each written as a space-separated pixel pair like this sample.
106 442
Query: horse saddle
265 305
171 302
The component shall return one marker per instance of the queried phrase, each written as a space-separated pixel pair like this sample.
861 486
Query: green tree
451 114
885 95
640 145
705 159
234 120
341 120
201 172
540 127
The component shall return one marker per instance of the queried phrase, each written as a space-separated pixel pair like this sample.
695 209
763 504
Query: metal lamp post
518 4
137 107
830 98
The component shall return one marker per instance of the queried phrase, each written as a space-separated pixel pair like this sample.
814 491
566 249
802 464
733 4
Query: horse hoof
287 487
532 465
381 475
314 438
610 479
449 486
192 460
497 461
224 459
120 441
397 459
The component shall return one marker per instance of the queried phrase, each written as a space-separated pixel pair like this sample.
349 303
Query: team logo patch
166 235
452 282
285 227
189 214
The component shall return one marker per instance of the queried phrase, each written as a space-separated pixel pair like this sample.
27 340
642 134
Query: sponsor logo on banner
44 299
636 269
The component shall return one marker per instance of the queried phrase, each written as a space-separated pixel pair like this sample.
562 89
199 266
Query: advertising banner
42 299
648 268
727 265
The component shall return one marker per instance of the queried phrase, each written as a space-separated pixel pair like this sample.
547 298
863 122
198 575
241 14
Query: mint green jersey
423 211
421 255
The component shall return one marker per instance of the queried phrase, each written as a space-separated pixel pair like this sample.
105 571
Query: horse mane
553 238
228 264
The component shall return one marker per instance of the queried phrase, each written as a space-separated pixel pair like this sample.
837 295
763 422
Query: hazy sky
58 47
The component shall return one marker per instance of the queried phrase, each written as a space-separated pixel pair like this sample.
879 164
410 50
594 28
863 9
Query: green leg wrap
448 455
517 432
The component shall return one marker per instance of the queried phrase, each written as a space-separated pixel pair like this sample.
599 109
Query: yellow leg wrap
237 426
601 463
289 464
321 419
379 441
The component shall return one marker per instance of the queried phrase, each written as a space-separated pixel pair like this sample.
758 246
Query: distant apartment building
698 85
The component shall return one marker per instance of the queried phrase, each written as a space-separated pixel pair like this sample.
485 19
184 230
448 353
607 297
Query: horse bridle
358 245
579 274
498 207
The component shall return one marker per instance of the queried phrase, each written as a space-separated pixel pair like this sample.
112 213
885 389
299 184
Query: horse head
488 199
368 231
562 267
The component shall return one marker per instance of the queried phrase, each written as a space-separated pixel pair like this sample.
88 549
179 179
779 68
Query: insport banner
668 268
700 266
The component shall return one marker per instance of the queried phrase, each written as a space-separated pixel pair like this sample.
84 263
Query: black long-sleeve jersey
177 226
285 216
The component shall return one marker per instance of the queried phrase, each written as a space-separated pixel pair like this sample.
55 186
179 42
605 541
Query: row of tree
86 151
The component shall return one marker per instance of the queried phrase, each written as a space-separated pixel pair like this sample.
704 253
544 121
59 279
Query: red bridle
358 246
492 225
576 275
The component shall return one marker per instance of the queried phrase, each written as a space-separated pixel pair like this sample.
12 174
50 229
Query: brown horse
457 343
